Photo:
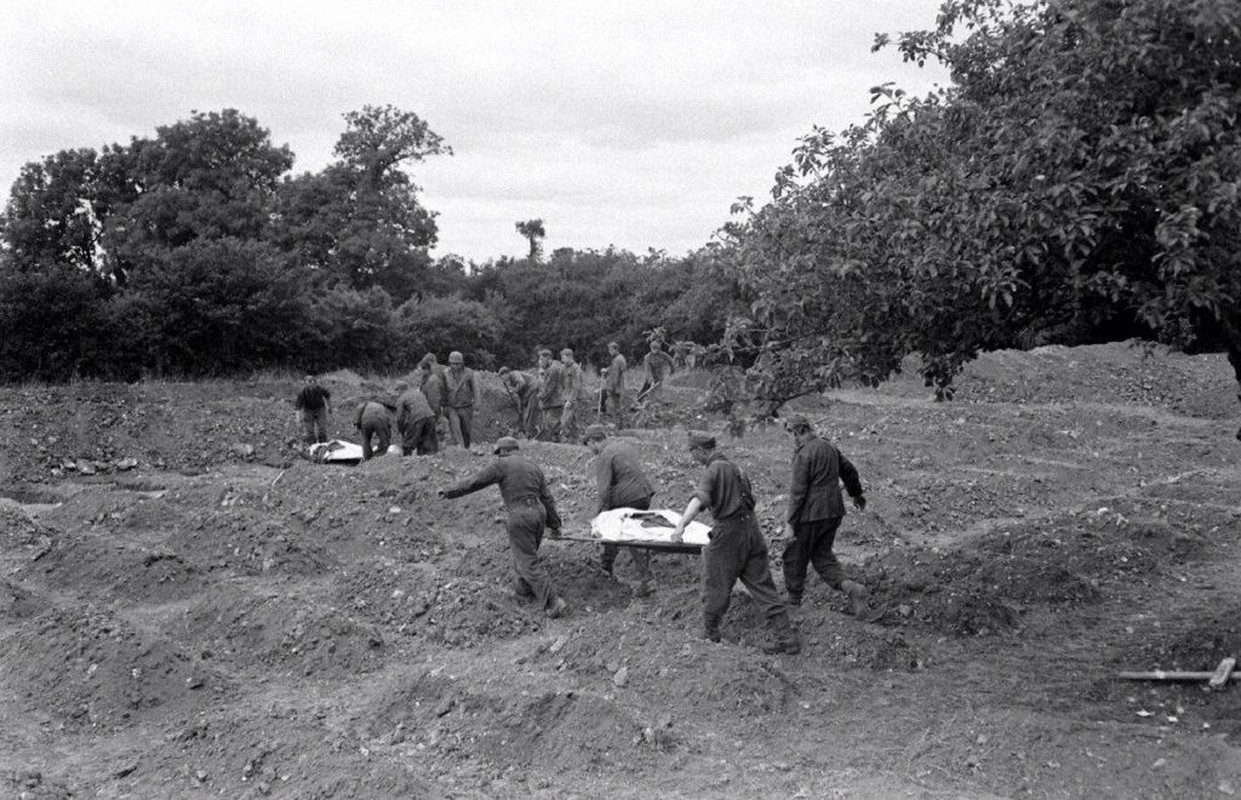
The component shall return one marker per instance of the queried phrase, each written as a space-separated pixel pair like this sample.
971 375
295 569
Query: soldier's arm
485 477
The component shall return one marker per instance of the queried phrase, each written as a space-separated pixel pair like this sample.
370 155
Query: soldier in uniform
621 483
459 394
551 394
374 422
816 509
737 549
531 508
314 404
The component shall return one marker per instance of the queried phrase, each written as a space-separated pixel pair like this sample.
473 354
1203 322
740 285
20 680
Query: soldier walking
531 508
737 549
816 509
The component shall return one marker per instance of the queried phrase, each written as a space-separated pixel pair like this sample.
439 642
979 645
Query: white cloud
634 124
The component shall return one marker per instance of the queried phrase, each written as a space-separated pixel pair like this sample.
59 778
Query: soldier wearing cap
551 393
737 549
621 483
431 381
574 391
816 509
614 384
531 508
459 399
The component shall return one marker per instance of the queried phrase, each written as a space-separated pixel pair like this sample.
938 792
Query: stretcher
649 530
338 451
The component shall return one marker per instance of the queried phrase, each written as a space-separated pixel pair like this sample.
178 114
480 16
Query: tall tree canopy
208 178
359 221
1080 179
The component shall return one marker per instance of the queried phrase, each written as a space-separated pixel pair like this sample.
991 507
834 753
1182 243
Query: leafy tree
217 307
1079 180
443 324
53 323
50 217
211 177
533 230
350 327
359 221
379 139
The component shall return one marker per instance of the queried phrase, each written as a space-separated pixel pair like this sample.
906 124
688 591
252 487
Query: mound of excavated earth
189 608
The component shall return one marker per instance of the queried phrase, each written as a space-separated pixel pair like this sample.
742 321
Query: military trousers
811 545
738 551
526 520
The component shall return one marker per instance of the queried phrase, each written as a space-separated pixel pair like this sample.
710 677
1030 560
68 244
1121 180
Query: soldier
415 420
656 369
314 404
737 549
816 509
614 385
621 483
459 397
573 395
551 394
374 422
523 388
531 507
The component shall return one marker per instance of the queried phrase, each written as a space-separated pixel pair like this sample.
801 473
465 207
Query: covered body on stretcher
630 527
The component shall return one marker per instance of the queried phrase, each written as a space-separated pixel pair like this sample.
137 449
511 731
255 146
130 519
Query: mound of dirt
87 668
1133 373
189 607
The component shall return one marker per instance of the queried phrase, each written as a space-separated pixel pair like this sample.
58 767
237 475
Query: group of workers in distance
435 393
552 401
736 550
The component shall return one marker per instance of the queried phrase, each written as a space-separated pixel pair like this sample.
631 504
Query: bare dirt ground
188 609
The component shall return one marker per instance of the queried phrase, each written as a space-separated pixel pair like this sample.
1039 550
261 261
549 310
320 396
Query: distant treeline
1078 180
194 253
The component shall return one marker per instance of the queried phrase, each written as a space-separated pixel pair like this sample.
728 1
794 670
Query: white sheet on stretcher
632 525
339 451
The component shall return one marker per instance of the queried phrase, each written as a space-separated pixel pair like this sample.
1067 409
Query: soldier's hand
553 533
678 533
859 502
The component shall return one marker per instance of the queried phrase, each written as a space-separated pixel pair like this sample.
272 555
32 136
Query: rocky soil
188 608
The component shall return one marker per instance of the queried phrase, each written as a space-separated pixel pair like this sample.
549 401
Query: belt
526 501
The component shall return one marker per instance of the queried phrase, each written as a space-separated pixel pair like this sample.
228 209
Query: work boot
557 608
711 634
794 599
858 605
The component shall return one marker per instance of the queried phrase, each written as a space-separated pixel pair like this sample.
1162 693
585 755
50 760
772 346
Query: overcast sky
634 124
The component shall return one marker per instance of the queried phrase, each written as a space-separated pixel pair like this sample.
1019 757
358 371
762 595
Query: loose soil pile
190 608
